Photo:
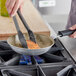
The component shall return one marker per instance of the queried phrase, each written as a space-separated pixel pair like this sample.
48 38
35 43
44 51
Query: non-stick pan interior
42 40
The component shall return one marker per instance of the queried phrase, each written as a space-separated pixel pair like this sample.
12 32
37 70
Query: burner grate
48 64
56 54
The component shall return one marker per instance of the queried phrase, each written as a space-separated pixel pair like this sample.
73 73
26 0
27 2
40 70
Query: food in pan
42 41
32 45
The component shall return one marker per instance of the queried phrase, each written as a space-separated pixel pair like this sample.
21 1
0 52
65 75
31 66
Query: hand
74 34
13 5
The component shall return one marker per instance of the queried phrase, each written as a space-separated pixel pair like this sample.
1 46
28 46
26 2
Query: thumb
73 27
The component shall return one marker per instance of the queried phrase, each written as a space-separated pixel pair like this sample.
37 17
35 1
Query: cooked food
42 41
32 45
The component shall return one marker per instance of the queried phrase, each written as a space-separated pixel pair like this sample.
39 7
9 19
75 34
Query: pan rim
31 49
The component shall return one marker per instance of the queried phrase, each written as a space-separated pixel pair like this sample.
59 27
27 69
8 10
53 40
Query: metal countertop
69 43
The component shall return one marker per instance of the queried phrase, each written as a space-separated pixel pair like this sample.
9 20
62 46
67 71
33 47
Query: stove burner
13 64
26 60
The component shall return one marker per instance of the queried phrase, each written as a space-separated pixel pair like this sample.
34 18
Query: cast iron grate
68 71
56 54
12 64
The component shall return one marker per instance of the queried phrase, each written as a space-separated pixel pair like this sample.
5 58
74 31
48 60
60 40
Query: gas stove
48 64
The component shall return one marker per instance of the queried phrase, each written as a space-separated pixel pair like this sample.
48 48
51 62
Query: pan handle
65 32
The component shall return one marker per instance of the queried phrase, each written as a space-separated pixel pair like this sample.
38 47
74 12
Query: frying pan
45 43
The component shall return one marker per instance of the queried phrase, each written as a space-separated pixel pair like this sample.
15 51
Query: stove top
48 64
68 71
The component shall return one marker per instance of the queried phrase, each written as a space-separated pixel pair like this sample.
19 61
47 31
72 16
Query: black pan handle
65 32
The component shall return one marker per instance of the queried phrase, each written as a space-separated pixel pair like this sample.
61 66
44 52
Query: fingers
16 6
73 35
13 6
10 6
7 3
73 27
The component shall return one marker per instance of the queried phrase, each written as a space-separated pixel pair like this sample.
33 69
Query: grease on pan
42 40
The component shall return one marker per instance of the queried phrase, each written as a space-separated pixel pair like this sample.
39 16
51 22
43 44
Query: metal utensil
20 35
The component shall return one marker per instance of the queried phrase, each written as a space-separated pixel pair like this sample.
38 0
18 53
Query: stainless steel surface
69 43
43 41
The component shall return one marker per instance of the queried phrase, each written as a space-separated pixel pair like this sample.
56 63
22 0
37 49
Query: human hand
74 34
13 5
